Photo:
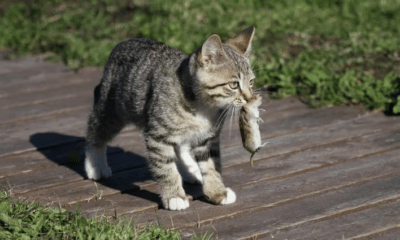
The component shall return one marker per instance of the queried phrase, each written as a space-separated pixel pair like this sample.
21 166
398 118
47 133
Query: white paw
96 166
230 197
178 204
98 173
93 173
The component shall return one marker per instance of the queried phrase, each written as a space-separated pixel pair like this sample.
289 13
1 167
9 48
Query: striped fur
179 102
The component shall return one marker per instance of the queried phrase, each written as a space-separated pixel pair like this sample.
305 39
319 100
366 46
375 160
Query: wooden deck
330 173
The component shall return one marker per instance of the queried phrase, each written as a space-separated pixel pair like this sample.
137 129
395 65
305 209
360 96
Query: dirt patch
376 64
298 42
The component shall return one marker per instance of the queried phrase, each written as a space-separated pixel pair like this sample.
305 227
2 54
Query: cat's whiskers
226 108
257 91
233 117
223 115
230 124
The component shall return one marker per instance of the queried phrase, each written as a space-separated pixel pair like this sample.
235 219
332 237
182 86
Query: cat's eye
234 85
251 82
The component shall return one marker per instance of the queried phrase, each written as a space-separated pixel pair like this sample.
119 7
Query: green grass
25 219
339 52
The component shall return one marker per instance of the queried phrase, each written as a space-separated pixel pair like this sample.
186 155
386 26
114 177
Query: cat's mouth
239 103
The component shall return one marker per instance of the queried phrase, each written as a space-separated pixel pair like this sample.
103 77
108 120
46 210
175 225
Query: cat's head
223 71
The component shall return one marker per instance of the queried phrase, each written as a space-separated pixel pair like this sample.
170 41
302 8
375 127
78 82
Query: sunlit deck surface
329 173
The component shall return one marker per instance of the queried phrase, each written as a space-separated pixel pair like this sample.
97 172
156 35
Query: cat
179 102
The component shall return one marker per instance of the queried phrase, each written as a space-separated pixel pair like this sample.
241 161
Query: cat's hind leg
96 166
102 127
162 162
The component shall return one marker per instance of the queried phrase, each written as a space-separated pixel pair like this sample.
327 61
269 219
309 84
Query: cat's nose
247 94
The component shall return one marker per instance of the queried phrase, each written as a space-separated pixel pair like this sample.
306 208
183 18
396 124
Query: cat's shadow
128 167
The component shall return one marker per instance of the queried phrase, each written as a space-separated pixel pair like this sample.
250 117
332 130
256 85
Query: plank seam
42 115
114 193
41 101
371 234
44 89
46 187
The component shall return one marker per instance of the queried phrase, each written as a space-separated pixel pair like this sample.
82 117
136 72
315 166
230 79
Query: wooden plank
328 205
34 98
313 137
23 71
46 81
24 113
32 75
374 223
12 72
7 66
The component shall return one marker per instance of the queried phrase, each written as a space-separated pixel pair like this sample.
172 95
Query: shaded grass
327 52
26 219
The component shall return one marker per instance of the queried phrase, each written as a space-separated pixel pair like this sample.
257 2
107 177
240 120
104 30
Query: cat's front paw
177 203
230 197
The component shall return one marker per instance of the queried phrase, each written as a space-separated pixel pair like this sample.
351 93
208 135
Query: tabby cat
179 102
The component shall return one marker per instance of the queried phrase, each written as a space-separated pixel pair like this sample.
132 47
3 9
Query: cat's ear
212 51
242 43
